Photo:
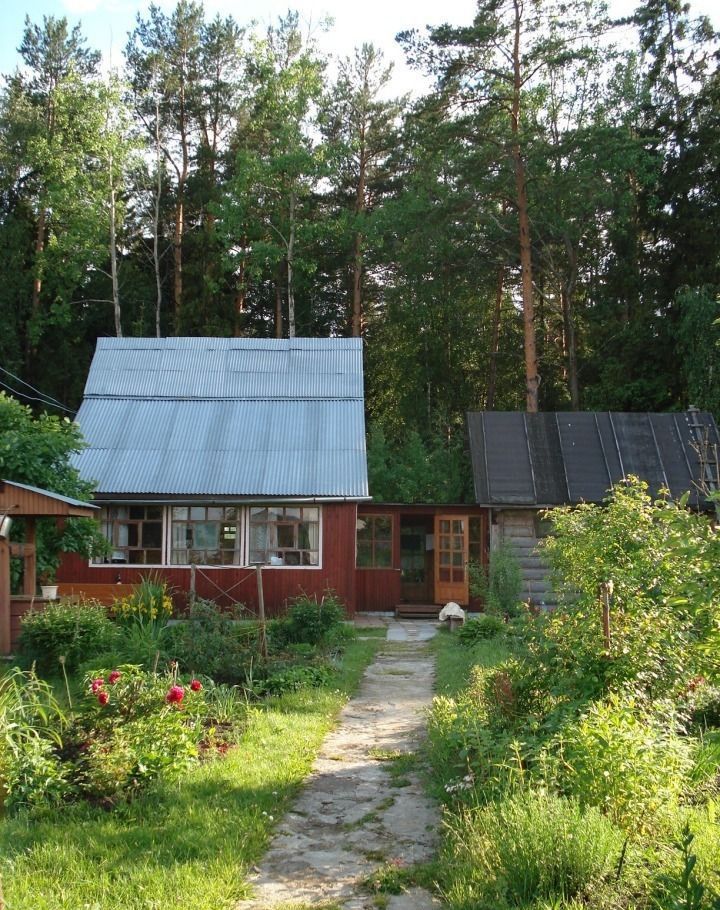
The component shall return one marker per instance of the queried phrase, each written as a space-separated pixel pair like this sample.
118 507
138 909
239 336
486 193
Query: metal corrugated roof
569 457
232 368
225 417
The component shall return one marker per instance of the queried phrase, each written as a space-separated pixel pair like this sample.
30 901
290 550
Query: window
285 535
206 535
135 534
374 542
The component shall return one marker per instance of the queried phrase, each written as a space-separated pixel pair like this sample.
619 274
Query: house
525 463
213 455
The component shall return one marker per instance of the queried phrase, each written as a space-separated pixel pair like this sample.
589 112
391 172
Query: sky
106 23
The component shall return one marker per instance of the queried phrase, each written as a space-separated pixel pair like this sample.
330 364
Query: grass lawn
185 845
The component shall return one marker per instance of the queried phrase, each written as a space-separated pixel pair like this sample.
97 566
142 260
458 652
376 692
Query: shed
20 501
523 463
211 455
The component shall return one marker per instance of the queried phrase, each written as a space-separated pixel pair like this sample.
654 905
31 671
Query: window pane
364 554
179 557
154 513
231 513
197 513
137 513
206 535
132 535
311 514
286 536
180 513
215 513
152 534
383 554
383 527
293 513
154 556
310 558
258 514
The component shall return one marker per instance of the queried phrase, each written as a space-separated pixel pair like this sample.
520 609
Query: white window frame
243 524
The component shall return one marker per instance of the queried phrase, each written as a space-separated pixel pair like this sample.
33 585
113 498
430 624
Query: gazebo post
29 559
4 596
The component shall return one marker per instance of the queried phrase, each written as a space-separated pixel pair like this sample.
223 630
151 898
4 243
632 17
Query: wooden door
451 559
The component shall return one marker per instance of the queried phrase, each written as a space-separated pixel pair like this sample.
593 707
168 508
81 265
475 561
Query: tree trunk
290 253
495 340
357 274
39 247
278 306
239 314
567 295
532 380
113 257
357 301
156 222
178 257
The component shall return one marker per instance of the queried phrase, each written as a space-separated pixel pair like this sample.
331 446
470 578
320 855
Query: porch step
417 611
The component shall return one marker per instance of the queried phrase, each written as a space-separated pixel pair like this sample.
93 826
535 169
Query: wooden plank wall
280 584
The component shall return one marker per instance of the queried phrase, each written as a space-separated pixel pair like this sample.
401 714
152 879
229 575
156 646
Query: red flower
97 684
196 685
114 677
175 695
103 697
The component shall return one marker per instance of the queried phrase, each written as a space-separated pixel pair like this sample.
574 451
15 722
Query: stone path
354 814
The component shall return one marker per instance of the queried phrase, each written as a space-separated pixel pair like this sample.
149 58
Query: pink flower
175 695
97 684
103 697
196 685
114 677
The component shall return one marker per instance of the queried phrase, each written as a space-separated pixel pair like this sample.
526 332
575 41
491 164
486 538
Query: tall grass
189 844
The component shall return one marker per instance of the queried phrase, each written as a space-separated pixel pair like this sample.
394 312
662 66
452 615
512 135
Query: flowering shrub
150 601
134 727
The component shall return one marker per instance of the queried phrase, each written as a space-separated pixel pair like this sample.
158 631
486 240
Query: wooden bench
102 593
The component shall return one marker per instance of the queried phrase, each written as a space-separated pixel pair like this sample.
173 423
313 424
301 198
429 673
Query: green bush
527 848
214 642
74 631
625 760
131 728
486 626
309 621
500 584
290 679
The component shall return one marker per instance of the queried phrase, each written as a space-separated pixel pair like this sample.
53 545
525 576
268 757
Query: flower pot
49 592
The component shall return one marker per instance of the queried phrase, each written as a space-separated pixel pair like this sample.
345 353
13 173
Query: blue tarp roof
225 417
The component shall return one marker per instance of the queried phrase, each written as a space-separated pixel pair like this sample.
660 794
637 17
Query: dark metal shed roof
568 457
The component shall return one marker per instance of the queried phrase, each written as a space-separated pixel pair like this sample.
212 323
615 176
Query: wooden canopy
18 500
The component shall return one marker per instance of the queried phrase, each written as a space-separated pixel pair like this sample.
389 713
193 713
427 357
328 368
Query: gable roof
225 417
559 458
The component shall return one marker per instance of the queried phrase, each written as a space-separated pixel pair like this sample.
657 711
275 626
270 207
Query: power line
44 401
49 398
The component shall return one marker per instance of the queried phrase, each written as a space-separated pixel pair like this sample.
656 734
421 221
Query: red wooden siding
379 590
279 584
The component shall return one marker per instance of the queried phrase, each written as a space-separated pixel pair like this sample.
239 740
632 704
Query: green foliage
308 621
500 584
149 602
30 724
530 847
624 759
664 562
685 891
413 470
37 451
486 626
136 734
67 630
290 679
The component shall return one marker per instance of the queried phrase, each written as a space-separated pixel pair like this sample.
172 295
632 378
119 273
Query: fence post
192 584
606 590
261 611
